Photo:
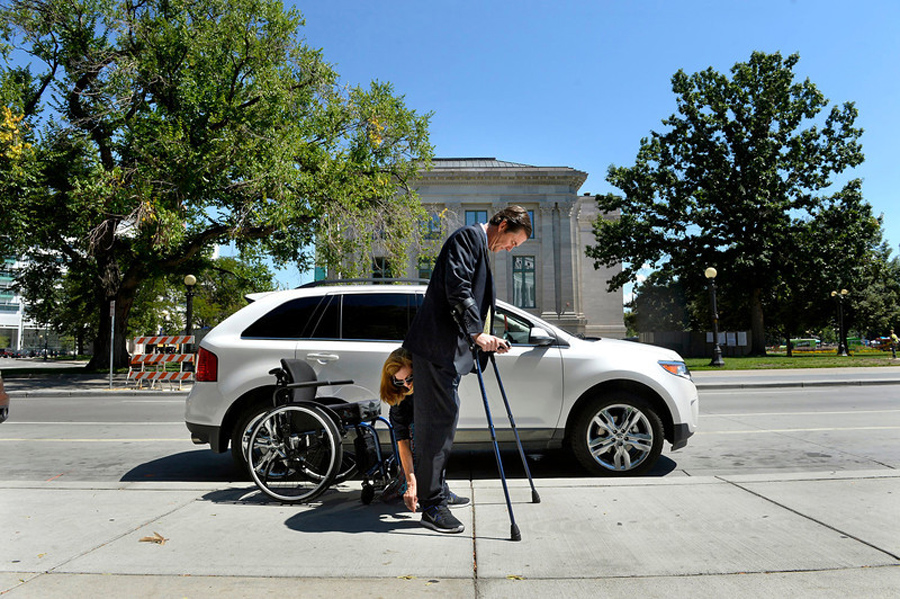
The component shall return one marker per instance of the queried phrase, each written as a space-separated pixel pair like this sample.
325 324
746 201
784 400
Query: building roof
476 163
446 169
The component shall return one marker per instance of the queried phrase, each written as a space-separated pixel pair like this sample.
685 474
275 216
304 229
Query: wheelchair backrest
298 371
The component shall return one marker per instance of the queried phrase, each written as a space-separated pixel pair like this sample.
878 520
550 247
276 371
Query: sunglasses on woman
402 382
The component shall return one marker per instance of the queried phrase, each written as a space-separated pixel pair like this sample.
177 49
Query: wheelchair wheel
347 468
294 453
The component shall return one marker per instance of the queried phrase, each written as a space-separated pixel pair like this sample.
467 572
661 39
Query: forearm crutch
514 533
535 498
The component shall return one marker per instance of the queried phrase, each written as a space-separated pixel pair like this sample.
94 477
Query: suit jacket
462 272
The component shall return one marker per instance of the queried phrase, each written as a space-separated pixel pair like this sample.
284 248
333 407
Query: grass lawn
799 360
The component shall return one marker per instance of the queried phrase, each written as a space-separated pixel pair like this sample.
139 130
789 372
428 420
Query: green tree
168 126
222 285
221 291
839 247
659 304
744 162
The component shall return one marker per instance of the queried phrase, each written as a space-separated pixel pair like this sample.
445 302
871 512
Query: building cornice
503 174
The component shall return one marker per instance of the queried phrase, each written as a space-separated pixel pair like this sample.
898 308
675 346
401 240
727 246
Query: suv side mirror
539 336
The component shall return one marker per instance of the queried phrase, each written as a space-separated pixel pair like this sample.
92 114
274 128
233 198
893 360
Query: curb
795 384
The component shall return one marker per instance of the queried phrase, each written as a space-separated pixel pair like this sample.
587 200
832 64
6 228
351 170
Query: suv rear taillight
207 366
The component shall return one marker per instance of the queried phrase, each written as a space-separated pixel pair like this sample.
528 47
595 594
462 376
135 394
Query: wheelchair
300 447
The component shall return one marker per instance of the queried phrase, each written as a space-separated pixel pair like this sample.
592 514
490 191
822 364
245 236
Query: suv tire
617 434
240 434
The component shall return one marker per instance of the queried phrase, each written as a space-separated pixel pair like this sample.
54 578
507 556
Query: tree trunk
100 359
757 326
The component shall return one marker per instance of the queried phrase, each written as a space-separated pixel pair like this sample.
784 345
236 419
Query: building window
533 224
381 268
476 216
425 267
523 281
432 228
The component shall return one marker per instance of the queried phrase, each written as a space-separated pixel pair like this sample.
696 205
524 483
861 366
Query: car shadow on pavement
481 465
201 465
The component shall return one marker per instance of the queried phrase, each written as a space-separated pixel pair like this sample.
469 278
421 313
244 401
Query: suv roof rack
372 281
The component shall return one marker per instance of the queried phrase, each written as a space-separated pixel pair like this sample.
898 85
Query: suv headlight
676 368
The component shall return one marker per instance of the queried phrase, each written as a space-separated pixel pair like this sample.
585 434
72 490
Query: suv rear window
290 320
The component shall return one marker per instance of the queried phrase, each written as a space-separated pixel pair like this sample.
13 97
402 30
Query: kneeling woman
397 392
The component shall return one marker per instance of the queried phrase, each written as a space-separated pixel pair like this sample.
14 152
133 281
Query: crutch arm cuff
462 307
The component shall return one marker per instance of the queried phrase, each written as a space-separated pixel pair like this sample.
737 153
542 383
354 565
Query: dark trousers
436 413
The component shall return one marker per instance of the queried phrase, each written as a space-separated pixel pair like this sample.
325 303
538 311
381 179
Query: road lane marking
800 430
21 440
89 423
843 413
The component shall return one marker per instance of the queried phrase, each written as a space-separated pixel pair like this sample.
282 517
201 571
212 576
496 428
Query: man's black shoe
439 518
454 500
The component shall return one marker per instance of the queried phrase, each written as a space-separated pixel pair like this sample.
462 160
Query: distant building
16 331
549 274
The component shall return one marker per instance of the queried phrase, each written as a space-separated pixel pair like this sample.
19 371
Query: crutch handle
473 347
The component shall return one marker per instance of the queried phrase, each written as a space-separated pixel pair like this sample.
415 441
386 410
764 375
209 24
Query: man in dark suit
462 283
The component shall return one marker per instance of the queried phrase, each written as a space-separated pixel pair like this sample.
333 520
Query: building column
603 309
548 275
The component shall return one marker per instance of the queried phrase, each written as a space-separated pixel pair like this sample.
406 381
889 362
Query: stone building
549 274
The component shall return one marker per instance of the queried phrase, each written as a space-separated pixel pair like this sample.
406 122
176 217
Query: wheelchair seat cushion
358 411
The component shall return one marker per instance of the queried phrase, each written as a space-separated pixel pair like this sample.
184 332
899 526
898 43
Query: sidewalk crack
130 531
811 519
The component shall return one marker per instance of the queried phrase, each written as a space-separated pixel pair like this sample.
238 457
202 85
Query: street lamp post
842 334
189 282
717 351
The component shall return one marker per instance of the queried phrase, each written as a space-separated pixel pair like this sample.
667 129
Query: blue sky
579 83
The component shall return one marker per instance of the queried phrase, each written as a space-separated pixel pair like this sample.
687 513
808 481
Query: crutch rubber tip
514 534
535 498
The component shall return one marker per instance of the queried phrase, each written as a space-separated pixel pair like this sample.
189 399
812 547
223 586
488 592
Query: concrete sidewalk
706 537
84 385
797 377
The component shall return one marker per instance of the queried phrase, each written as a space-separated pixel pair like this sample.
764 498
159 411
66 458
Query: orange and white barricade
154 367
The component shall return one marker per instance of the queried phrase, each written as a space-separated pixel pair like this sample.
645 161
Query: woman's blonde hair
390 394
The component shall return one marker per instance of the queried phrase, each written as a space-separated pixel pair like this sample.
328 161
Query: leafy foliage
167 126
740 180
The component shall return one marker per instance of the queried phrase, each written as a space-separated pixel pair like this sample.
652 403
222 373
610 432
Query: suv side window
290 320
511 327
326 324
377 316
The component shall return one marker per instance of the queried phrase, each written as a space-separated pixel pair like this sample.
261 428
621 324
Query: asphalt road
113 438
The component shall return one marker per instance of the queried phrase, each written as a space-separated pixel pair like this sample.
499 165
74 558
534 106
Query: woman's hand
410 497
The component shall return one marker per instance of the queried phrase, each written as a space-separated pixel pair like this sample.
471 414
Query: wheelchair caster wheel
368 494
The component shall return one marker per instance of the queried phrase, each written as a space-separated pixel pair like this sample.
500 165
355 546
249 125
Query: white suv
612 402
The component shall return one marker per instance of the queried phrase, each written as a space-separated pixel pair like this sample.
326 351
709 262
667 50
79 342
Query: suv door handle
322 358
